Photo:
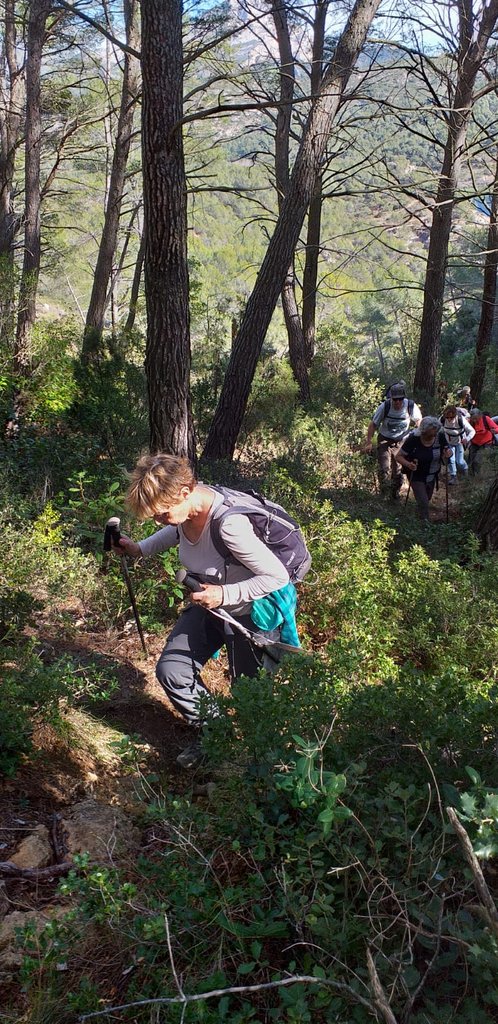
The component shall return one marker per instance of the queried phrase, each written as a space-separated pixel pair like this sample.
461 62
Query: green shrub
34 559
32 692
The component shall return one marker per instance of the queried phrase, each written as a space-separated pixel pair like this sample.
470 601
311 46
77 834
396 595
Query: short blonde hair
156 482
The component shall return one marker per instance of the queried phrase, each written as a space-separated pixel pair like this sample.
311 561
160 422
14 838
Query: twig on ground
36 874
238 990
483 892
379 995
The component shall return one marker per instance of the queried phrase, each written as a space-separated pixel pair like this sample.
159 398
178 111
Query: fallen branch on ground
36 874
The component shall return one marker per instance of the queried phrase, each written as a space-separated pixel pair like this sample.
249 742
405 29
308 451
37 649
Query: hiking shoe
192 756
452 480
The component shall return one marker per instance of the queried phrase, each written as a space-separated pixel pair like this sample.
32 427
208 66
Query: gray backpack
270 522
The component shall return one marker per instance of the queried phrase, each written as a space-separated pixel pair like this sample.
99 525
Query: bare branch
479 880
100 28
238 990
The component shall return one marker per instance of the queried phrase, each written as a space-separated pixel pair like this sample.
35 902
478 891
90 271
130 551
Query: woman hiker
459 433
164 488
421 454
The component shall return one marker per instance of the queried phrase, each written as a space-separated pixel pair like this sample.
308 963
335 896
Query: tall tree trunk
168 356
314 229
487 523
488 305
229 414
12 103
135 286
38 12
282 139
471 55
99 299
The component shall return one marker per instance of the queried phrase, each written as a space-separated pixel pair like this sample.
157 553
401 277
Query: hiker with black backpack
391 420
242 554
421 454
459 433
485 435
466 401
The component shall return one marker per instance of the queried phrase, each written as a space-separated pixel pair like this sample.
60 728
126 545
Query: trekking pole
409 476
194 585
446 489
112 535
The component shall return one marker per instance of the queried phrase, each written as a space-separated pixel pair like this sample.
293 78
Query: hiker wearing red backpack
218 533
486 433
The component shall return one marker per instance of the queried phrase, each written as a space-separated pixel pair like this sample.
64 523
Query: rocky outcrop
102 831
11 952
35 851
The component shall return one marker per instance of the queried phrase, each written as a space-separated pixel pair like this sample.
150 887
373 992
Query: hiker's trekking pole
409 476
112 535
446 489
195 585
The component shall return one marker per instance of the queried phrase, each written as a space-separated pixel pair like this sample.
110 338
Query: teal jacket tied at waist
278 609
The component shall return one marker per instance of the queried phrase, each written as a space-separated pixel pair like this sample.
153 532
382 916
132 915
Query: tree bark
314 228
229 414
135 287
168 356
487 523
488 304
282 138
99 299
12 103
38 12
471 55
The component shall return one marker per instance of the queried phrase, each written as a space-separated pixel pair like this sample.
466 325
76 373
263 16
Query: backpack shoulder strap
387 406
234 503
411 405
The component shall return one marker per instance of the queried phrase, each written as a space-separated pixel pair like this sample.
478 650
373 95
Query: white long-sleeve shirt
455 433
256 573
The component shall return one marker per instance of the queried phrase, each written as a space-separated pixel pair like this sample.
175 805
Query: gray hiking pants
423 492
475 457
194 639
388 467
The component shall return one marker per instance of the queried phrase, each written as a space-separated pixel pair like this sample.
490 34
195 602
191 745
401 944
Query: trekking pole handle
192 584
112 533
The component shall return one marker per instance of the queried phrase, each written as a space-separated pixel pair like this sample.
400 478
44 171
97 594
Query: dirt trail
455 496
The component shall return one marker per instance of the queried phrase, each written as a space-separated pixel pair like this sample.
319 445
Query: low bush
33 693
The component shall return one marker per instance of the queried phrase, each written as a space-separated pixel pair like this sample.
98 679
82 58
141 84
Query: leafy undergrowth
310 870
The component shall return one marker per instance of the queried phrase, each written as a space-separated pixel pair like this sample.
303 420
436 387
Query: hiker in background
164 488
395 384
485 430
391 420
422 453
459 433
465 401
